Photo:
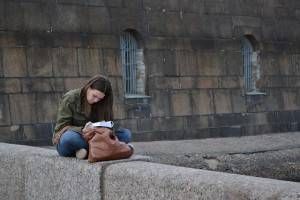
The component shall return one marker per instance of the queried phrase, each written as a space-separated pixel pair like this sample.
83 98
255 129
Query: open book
107 124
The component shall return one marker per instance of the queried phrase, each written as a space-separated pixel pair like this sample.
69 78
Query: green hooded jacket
70 114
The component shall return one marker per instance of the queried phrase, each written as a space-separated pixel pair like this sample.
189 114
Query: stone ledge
36 173
159 181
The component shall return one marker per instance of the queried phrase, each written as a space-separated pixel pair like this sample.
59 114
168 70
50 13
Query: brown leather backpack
104 145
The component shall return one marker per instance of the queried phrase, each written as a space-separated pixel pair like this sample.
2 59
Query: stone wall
192 52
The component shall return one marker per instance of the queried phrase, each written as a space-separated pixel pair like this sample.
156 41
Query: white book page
108 124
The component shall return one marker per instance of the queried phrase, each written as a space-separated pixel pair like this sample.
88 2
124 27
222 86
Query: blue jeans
71 141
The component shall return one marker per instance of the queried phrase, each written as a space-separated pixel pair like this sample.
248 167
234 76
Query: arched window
251 63
132 64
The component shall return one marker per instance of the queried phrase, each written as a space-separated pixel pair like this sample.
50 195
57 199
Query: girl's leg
70 142
124 135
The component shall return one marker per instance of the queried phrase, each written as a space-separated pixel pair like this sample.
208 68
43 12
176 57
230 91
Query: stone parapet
37 173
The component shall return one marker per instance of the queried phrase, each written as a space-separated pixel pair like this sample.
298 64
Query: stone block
238 101
192 6
294 61
10 85
197 122
112 63
216 7
257 118
38 132
169 65
39 62
161 63
90 62
14 62
203 44
168 123
43 85
231 131
98 20
210 64
234 63
138 110
146 124
69 40
35 18
124 18
180 104
165 82
114 3
70 18
186 62
23 108
14 16
187 82
1 61
291 99
4 110
223 27
133 4
274 100
156 43
231 82
157 22
2 16
229 46
117 88
103 41
96 3
245 8
222 101
256 103
119 111
269 64
202 102
191 134
246 21
160 5
206 82
46 107
154 62
174 25
158 181
10 134
65 62
72 83
228 120
194 25
160 103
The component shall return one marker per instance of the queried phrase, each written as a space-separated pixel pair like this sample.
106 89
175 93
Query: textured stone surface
273 156
53 46
157 181
14 62
38 173
39 62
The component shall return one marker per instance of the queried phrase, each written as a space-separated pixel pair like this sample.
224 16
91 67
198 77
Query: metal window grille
129 62
247 51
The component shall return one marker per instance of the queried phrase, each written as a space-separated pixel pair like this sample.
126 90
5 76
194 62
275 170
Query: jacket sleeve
64 119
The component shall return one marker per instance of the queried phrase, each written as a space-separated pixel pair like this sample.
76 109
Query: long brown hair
102 110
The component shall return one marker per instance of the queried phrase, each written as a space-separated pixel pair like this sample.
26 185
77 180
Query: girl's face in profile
94 96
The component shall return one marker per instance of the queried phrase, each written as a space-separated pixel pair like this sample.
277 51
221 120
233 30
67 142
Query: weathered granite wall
193 59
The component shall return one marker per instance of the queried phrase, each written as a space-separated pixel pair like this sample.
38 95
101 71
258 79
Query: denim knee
70 142
124 135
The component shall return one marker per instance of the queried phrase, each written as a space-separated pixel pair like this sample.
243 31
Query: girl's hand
88 126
